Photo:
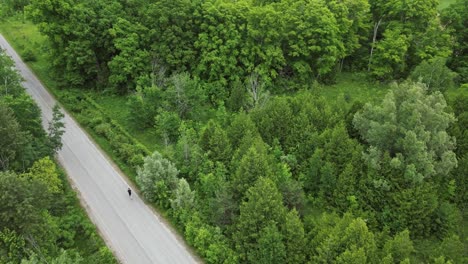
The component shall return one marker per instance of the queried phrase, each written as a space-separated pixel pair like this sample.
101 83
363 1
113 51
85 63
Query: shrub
28 55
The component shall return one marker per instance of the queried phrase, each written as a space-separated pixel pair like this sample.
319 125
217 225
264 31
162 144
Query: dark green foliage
294 238
193 67
12 140
56 128
455 17
22 204
215 142
262 207
40 216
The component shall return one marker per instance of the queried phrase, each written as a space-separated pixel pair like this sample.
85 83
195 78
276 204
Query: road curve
130 228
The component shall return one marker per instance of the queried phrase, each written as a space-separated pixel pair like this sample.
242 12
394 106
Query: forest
223 114
41 220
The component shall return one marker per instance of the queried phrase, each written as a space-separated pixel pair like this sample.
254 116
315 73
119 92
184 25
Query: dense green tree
133 58
184 200
241 124
27 113
270 246
45 172
263 206
390 52
79 36
294 238
157 179
12 139
262 48
455 18
210 242
312 44
173 28
342 240
353 19
56 128
399 247
274 120
405 33
23 205
215 142
409 154
453 249
252 166
220 41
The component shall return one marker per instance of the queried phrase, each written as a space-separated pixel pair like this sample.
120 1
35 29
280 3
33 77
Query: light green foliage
210 242
400 247
409 150
45 172
184 200
434 74
312 42
409 125
173 31
263 206
12 246
220 41
157 179
453 249
265 27
390 52
344 240
132 60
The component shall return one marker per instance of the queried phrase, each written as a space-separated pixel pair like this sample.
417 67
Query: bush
28 55
102 129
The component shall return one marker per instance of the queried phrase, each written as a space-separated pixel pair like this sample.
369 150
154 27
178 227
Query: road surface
130 228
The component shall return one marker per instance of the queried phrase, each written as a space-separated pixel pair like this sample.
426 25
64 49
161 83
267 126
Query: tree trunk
374 38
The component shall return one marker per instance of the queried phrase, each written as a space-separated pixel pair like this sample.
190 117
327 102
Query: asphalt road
130 228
